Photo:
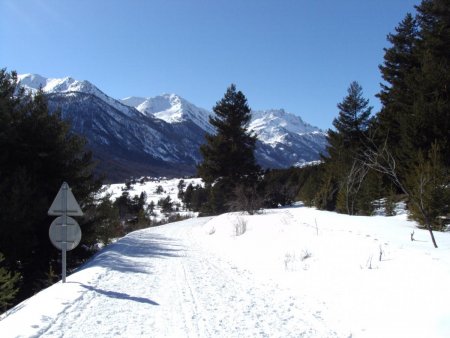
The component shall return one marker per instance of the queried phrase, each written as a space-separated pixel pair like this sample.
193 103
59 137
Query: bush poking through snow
246 199
390 204
240 226
305 254
369 264
294 261
288 258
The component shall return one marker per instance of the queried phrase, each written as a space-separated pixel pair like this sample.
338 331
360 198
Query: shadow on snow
117 295
123 256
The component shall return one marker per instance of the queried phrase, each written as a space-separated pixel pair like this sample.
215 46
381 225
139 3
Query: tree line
402 151
404 148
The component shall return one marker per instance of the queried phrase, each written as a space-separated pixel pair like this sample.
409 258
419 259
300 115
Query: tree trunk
432 235
429 229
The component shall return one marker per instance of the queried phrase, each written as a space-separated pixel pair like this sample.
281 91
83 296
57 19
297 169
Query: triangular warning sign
65 202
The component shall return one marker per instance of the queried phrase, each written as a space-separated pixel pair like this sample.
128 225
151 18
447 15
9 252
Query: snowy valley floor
294 272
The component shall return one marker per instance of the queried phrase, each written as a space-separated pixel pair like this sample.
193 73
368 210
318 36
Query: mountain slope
133 144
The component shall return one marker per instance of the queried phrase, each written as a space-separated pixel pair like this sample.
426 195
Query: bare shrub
240 226
305 255
294 261
246 199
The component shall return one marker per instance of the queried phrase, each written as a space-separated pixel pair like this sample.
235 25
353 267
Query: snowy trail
293 272
161 282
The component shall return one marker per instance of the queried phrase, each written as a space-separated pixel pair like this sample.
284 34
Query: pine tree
344 174
395 122
166 204
354 116
102 216
151 208
399 61
181 185
415 112
414 120
389 203
195 197
311 178
432 87
428 185
8 285
228 155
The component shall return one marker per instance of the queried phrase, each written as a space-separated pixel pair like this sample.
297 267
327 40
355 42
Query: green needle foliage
8 285
37 153
228 155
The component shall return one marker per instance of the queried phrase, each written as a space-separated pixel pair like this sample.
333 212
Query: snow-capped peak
54 85
171 108
273 125
33 82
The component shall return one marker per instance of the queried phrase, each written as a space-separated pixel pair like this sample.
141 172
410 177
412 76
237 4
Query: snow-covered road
160 282
292 272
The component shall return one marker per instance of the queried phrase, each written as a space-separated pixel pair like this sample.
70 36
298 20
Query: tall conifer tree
432 88
415 95
344 144
228 155
415 117
395 122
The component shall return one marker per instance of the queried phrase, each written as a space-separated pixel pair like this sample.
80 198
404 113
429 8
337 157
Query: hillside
288 273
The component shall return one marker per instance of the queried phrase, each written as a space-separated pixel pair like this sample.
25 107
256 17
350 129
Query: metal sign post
64 232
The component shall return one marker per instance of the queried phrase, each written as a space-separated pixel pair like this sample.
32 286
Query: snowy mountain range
160 136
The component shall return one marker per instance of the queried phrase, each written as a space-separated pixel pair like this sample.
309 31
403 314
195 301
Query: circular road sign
72 233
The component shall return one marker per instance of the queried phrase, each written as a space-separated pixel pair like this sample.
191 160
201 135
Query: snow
170 188
399 296
55 85
171 108
286 272
273 125
33 82
133 101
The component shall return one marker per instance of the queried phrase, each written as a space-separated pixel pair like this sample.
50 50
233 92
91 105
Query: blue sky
300 55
